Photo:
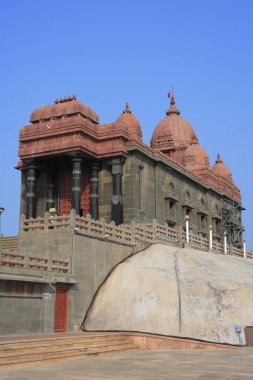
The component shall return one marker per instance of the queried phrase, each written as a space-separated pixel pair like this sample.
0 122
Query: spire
127 109
172 101
218 159
173 108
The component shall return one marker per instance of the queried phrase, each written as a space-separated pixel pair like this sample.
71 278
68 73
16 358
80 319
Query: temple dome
130 122
173 131
63 107
195 157
221 170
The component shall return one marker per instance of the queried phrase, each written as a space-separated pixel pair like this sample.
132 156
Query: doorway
61 303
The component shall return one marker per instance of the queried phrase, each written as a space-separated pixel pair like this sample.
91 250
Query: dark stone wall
139 188
168 194
22 193
40 191
26 313
129 190
52 243
152 188
14 319
41 185
91 261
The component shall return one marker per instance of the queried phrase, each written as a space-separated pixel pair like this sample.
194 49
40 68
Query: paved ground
155 365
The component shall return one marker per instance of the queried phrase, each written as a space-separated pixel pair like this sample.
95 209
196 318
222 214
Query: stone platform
180 365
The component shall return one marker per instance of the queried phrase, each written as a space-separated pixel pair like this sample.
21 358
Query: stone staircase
28 352
9 243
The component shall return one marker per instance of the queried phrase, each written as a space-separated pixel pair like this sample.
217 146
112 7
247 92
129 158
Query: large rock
177 292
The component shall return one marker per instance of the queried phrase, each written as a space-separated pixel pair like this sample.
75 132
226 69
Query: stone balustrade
42 263
125 234
46 223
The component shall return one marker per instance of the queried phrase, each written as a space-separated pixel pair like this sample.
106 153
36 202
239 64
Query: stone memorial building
91 195
68 160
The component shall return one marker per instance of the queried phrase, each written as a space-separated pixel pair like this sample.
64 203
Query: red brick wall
66 194
85 192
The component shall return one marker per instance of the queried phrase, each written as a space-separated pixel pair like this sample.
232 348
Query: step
58 347
9 242
60 337
67 358
65 352
66 355
34 351
48 342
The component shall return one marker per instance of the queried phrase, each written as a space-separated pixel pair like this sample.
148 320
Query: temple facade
69 161
93 195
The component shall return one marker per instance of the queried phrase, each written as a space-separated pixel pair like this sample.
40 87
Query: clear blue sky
110 52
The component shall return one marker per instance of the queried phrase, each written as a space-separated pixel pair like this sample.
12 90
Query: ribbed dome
221 170
62 107
172 132
129 121
195 157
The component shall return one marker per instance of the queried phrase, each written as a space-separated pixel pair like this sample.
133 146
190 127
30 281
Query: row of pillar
117 200
225 242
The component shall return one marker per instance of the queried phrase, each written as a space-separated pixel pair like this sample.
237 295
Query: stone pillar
30 191
211 238
117 201
94 191
50 191
244 249
225 243
187 229
76 184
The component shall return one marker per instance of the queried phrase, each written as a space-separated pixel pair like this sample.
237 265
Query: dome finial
218 158
173 109
127 109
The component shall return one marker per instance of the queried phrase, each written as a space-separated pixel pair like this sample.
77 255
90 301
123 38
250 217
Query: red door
61 310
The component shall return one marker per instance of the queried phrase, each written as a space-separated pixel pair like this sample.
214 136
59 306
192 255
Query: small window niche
170 212
171 199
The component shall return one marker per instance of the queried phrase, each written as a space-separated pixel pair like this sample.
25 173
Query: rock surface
177 292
